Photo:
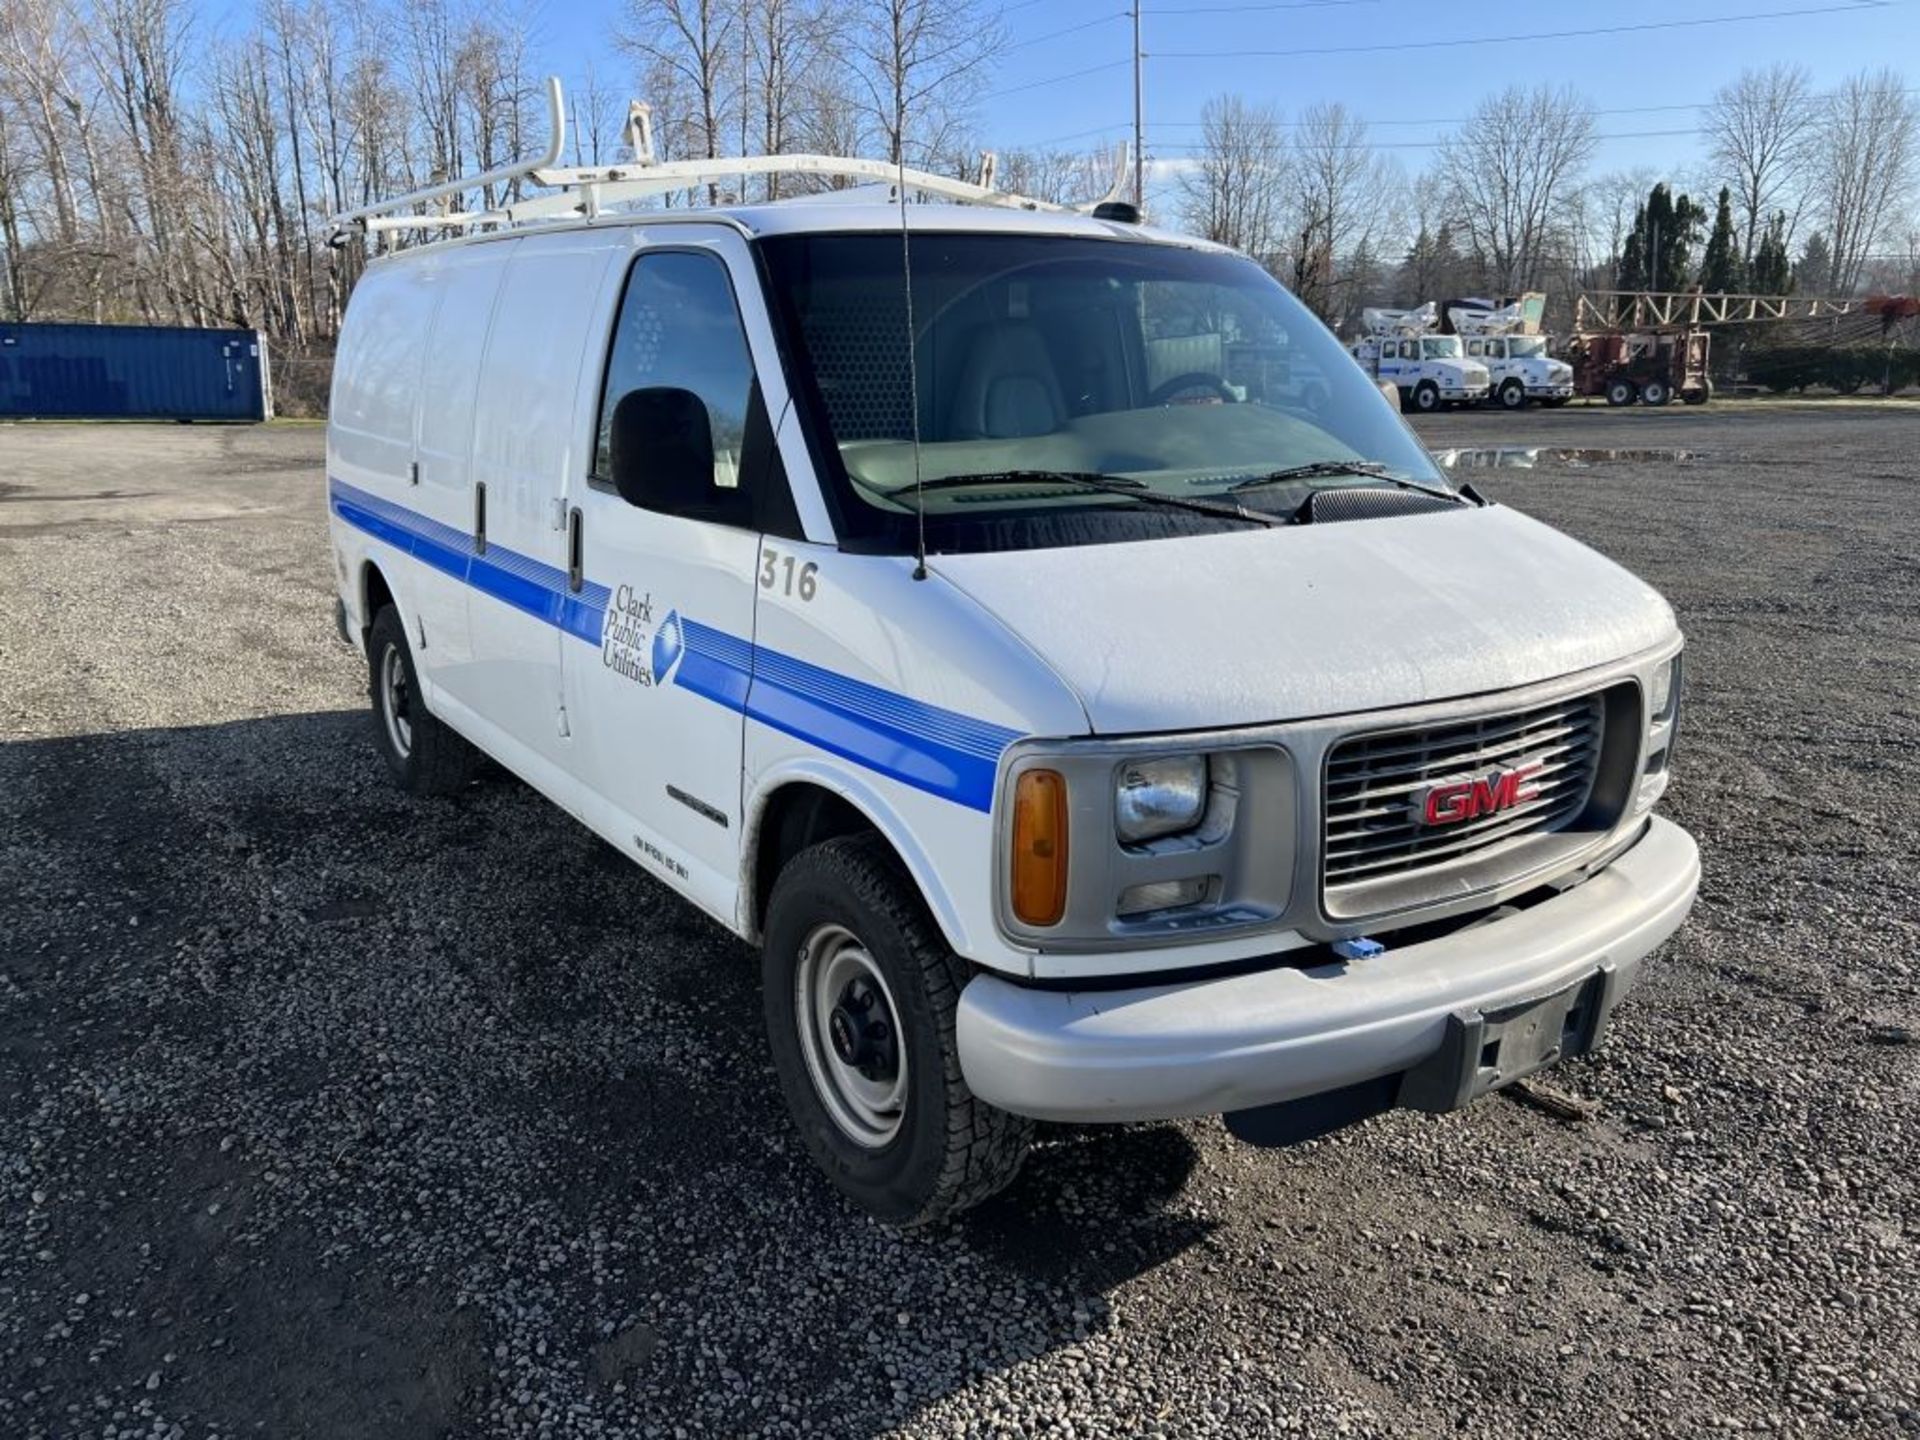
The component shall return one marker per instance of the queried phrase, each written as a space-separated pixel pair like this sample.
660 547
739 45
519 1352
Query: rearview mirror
661 450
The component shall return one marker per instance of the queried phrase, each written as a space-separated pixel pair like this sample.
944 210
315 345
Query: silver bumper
1210 1046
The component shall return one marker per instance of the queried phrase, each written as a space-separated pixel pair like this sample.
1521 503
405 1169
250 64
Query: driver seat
1008 388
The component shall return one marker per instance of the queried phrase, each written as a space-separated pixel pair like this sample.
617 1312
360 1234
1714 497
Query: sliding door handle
576 553
479 518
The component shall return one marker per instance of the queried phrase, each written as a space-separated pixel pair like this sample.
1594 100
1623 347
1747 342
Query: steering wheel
1163 393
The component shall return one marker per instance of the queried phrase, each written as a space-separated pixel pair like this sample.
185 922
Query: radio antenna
913 364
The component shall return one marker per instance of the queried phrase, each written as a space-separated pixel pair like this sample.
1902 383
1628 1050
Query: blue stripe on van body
940 751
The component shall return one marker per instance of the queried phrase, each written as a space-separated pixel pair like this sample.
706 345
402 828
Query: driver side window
679 327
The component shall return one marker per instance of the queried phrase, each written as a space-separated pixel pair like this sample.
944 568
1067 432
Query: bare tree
1341 191
786 41
1062 177
1510 173
1759 129
1234 190
1607 211
917 65
1869 159
691 48
11 230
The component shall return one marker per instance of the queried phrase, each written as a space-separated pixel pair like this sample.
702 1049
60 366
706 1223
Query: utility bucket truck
1516 359
1402 348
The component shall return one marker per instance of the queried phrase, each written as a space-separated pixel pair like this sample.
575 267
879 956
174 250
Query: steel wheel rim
395 701
867 1105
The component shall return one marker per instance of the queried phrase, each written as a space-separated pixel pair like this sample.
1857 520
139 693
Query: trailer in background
1652 367
133 372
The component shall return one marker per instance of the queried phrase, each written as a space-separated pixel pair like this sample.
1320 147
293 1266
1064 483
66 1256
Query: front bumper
1244 1041
1478 392
1550 392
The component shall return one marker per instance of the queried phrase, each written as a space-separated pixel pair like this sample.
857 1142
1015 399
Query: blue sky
1408 94
1648 78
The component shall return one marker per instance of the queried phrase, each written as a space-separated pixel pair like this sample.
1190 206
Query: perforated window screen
857 334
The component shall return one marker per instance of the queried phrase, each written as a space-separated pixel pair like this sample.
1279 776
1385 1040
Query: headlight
1159 797
1664 692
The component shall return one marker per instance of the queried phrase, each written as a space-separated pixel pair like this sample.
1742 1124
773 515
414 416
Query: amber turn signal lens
1040 847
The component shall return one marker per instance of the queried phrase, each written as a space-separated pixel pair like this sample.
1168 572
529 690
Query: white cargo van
1080 733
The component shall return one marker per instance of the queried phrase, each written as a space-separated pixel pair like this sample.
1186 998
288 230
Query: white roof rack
586 191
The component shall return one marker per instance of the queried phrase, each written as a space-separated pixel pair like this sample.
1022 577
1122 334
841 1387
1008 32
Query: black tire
1513 395
1656 392
433 760
1622 392
1426 397
950 1151
1699 395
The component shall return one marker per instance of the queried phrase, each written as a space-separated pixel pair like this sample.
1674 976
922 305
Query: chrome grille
1376 785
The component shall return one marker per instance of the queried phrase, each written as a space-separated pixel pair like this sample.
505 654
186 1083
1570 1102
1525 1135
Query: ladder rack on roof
586 191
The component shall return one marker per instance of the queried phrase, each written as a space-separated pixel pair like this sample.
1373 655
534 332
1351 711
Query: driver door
660 700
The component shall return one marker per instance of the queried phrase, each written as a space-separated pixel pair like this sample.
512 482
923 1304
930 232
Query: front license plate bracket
1484 1049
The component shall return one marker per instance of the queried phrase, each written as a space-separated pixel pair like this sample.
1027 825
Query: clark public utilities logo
629 643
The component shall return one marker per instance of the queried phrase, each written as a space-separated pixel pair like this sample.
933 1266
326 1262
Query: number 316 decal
778 572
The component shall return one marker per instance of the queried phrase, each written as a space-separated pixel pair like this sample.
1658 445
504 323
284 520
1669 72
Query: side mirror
661 450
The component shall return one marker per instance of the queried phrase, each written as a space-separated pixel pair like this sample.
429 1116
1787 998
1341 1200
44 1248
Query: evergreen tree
1657 252
1772 267
1814 273
1720 268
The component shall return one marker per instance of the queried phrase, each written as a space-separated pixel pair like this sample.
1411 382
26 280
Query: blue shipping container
133 372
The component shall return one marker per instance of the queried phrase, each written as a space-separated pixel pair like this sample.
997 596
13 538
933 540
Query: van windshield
1441 347
1527 347
1115 366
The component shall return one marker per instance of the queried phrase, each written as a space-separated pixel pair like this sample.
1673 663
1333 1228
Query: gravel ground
327 1113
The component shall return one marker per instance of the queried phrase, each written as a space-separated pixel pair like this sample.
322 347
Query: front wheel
1426 397
861 994
1513 395
1622 392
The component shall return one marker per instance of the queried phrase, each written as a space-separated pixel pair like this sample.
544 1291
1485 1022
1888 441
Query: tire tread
442 761
984 1145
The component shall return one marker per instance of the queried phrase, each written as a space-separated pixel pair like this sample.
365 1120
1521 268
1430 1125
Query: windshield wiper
1088 480
1318 469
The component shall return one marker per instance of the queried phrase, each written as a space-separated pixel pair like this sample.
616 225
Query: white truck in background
1404 349
1506 341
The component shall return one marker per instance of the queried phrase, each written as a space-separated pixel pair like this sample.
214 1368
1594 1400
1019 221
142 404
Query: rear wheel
861 994
1656 392
1513 395
1426 397
1622 392
1700 394
424 756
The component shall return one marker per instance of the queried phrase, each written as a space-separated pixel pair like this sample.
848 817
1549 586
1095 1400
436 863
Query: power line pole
1139 119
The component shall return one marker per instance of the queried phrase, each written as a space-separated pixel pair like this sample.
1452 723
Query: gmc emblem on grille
1452 801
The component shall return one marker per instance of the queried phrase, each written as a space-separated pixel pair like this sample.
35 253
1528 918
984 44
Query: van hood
1260 626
